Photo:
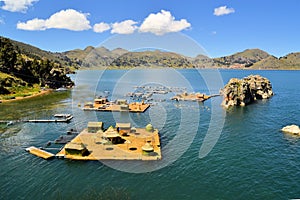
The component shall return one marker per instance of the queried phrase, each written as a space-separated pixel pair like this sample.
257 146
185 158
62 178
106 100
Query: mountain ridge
97 57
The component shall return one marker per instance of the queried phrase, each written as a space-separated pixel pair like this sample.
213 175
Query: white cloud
124 27
223 10
17 5
214 32
162 23
65 19
32 25
101 27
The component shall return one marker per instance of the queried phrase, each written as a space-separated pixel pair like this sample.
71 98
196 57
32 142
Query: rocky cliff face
241 92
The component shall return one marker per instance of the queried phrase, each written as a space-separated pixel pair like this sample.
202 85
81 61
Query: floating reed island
192 97
122 142
120 105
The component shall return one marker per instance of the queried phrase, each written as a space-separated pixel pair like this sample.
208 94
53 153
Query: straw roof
95 124
149 128
75 146
123 125
147 147
111 133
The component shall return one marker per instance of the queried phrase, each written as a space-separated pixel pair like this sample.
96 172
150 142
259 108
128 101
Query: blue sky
221 27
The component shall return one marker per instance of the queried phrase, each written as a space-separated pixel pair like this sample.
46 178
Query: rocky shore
241 92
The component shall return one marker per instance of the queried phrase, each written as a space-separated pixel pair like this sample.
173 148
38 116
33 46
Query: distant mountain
288 62
241 59
94 57
152 59
201 61
121 58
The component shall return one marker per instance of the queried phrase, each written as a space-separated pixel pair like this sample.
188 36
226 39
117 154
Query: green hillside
242 59
37 53
94 57
288 62
21 73
152 59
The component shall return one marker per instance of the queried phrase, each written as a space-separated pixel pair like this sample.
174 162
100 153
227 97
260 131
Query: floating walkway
40 153
58 118
64 120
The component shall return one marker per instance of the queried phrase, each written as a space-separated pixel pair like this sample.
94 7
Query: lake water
208 152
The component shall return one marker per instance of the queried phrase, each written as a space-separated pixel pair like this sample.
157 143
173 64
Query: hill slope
94 57
37 53
288 62
120 58
151 59
19 71
242 59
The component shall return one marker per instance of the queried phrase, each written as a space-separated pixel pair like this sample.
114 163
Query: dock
58 118
63 120
40 153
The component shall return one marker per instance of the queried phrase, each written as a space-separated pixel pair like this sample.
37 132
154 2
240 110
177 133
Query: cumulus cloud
101 27
124 27
162 23
17 5
65 19
32 25
223 10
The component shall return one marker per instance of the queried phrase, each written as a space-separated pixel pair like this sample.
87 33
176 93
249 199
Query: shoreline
178 68
41 93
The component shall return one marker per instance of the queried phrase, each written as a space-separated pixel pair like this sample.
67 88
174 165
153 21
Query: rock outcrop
241 92
291 129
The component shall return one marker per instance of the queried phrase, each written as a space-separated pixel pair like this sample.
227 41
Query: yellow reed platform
114 144
40 153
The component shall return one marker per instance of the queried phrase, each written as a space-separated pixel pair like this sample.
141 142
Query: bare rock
292 129
241 92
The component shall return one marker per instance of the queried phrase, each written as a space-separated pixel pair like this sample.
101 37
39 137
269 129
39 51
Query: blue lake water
248 156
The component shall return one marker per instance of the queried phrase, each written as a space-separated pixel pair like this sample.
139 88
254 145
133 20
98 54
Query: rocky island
241 92
291 129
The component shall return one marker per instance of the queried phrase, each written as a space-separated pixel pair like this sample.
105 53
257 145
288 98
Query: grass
21 91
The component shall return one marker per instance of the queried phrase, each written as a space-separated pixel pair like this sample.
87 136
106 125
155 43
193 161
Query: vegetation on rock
241 92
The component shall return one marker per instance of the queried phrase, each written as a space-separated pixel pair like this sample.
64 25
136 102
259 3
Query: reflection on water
32 107
252 159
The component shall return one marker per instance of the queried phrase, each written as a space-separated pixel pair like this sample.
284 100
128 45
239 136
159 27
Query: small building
76 149
149 128
100 101
88 105
147 147
113 136
121 102
123 128
124 107
94 127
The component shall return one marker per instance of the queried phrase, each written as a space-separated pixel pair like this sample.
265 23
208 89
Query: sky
218 27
